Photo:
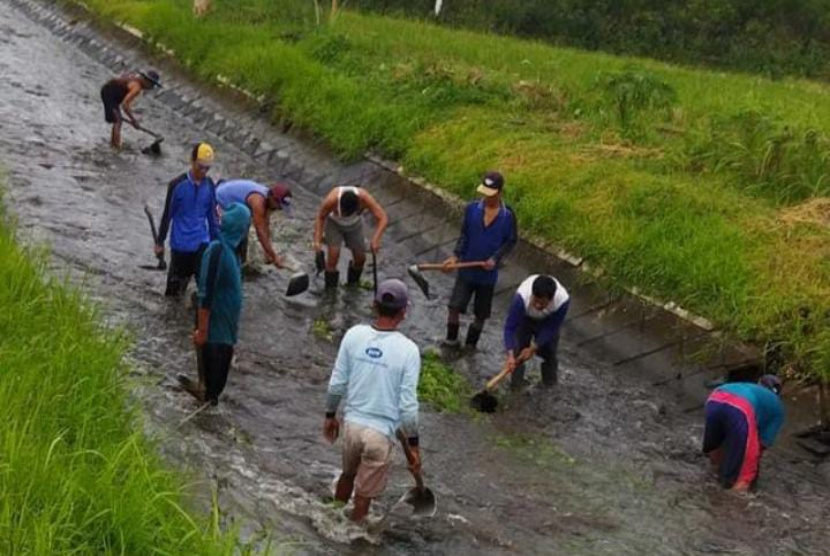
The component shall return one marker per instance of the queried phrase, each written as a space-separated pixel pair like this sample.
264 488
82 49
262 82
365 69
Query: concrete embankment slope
606 464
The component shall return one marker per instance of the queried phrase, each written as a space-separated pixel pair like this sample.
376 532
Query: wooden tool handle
410 458
440 266
493 382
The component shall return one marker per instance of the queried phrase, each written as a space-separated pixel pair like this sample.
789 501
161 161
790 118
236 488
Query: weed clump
441 387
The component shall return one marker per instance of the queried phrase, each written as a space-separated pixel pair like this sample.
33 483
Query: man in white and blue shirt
376 371
533 324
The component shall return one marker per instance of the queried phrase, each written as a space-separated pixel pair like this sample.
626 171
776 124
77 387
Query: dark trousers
216 363
242 251
726 429
182 267
548 352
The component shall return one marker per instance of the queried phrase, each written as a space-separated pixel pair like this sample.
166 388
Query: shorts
182 267
464 290
336 235
216 364
730 427
367 455
111 97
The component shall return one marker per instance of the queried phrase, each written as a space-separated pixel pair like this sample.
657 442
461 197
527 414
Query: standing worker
340 220
377 370
190 208
261 201
488 234
219 305
742 420
536 313
119 93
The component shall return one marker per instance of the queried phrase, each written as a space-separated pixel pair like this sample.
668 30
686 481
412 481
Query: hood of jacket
235 222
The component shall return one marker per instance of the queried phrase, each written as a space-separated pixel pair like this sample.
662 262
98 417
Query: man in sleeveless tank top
340 220
119 93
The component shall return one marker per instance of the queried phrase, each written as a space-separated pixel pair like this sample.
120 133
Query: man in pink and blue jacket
742 420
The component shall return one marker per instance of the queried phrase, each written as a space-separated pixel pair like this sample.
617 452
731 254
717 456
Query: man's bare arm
377 211
326 208
134 91
263 232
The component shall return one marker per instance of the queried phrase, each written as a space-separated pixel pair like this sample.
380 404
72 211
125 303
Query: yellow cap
203 154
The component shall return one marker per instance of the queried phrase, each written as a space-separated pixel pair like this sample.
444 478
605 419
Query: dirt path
607 464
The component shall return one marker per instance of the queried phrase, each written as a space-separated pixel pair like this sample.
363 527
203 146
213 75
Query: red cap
281 193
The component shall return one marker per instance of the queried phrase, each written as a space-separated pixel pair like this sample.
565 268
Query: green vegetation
441 387
76 474
322 329
703 188
775 37
535 449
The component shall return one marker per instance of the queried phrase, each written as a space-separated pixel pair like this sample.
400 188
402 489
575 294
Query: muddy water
606 464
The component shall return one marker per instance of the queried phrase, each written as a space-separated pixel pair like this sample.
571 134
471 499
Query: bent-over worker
340 220
532 327
742 420
119 93
261 201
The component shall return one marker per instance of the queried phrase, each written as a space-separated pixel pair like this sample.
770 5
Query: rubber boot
353 276
332 279
452 334
517 379
550 372
473 334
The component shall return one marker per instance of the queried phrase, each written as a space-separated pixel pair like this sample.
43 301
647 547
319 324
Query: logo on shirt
374 353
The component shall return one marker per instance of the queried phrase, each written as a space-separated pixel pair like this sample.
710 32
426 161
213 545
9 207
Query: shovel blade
422 501
297 284
320 261
154 149
419 279
484 402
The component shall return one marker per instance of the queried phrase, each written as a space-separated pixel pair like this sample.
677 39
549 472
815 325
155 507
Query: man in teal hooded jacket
220 303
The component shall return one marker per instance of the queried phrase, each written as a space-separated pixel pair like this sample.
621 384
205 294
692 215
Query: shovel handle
410 458
456 266
493 382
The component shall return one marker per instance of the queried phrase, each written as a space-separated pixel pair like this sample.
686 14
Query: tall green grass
76 474
674 180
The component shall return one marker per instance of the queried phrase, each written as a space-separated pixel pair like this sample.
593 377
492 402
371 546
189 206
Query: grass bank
76 473
705 188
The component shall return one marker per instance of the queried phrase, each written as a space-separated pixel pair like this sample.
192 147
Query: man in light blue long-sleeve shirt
377 371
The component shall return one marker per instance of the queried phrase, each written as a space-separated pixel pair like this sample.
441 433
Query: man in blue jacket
532 327
488 234
219 305
190 215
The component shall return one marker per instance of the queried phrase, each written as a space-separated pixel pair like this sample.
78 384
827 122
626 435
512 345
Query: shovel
297 283
418 276
162 264
155 148
485 401
375 272
420 497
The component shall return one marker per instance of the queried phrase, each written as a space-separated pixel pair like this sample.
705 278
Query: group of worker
376 373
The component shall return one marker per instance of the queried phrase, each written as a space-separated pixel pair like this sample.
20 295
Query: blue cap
392 293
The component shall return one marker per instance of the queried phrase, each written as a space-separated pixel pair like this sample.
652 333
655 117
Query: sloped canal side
607 463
